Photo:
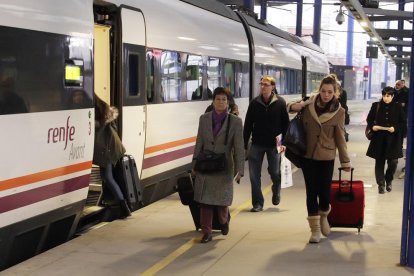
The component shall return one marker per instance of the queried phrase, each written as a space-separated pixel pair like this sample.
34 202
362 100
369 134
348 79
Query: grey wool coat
217 188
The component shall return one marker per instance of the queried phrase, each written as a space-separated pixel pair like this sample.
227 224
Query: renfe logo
60 134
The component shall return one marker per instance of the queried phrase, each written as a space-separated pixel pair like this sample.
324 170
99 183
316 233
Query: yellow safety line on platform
185 247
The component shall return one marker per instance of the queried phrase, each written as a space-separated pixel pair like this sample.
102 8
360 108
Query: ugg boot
315 226
325 228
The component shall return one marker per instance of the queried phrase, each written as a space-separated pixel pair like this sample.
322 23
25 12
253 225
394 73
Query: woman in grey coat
215 190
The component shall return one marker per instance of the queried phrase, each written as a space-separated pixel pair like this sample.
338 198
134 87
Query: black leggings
318 179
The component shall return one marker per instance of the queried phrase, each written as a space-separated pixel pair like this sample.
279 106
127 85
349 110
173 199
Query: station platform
160 239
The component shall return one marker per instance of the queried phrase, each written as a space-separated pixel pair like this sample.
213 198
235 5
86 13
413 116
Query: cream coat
217 188
325 134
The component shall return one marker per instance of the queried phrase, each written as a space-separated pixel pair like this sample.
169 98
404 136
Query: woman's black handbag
369 133
295 138
210 162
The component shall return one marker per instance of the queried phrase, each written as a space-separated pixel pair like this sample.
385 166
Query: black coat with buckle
385 144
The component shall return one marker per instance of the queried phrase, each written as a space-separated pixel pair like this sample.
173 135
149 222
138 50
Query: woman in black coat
388 121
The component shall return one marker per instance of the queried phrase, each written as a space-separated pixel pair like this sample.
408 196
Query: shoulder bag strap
227 130
376 113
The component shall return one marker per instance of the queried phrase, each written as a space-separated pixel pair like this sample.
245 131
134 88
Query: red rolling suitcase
347 203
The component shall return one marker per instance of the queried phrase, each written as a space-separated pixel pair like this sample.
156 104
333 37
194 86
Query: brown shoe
206 238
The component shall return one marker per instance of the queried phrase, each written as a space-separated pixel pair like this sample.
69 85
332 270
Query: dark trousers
318 179
380 177
206 216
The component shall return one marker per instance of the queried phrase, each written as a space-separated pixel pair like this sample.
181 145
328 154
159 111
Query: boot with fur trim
325 228
315 226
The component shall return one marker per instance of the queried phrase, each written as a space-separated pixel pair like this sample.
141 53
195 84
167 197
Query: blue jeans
110 182
256 155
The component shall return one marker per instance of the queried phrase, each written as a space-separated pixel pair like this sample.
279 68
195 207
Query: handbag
369 133
210 162
295 138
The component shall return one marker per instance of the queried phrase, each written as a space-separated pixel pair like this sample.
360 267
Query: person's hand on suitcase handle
347 169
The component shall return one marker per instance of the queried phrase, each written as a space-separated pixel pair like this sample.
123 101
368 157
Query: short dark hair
222 91
388 90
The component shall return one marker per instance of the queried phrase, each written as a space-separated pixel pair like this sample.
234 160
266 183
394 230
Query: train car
157 61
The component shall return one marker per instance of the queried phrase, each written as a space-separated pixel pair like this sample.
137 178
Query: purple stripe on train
25 198
166 157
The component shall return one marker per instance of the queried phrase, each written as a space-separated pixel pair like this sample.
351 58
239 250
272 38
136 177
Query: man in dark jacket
266 118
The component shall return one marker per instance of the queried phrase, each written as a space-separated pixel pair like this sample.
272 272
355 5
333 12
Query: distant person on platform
266 118
401 95
198 93
387 119
343 99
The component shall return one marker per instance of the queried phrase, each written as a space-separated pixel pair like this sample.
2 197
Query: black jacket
265 122
385 144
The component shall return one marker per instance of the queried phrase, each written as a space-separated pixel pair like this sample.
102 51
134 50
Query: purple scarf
218 120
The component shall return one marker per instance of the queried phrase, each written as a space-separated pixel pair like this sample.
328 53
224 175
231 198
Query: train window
213 74
149 76
259 74
277 79
170 76
299 82
242 80
36 69
283 81
229 76
193 77
133 80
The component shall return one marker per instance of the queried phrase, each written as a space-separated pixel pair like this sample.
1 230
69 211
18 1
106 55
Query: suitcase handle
351 181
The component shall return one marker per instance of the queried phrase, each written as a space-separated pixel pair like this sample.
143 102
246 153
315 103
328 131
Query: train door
133 83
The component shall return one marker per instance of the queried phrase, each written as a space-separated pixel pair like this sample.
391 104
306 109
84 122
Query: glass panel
213 75
35 66
133 63
244 86
258 77
170 76
149 76
283 82
278 80
194 75
229 76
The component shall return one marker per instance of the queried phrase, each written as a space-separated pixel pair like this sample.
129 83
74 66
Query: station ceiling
387 40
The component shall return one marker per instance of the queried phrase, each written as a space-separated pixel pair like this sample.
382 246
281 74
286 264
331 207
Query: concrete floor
160 239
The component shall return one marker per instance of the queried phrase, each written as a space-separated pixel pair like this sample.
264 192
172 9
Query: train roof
221 9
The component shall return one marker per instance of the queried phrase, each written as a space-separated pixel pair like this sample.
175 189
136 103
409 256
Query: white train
156 60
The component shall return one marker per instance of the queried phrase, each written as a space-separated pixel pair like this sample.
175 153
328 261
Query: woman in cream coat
324 123
215 190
